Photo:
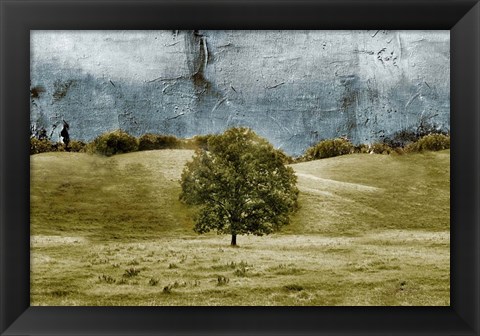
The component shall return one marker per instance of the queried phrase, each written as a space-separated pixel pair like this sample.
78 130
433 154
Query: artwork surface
240 168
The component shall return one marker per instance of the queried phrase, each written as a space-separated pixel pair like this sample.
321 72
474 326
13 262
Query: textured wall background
292 87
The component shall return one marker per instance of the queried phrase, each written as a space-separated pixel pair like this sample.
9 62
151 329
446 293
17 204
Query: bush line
119 141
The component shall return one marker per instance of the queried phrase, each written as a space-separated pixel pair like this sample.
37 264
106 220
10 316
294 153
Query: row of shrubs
117 142
38 146
340 146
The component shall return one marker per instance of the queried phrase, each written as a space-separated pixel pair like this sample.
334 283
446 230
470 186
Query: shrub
399 150
405 137
156 141
40 146
362 148
431 142
112 143
77 146
43 146
284 157
402 138
187 144
147 142
329 148
201 141
380 148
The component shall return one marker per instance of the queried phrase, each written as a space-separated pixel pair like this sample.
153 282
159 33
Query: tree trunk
234 240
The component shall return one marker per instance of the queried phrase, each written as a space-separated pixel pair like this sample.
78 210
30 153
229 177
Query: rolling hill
371 230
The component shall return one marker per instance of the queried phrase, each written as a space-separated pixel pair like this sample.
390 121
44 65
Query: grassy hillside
371 230
360 193
131 196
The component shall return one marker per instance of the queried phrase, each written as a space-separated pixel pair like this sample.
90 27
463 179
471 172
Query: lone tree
241 185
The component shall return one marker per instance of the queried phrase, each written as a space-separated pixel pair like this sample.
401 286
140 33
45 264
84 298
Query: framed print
318 157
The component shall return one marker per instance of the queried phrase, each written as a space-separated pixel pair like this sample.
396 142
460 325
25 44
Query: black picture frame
18 17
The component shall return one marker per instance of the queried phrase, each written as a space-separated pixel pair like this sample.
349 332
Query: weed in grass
220 267
131 272
227 266
153 282
243 264
172 266
241 271
133 262
107 279
293 288
99 261
59 293
283 269
177 284
222 280
167 289
122 281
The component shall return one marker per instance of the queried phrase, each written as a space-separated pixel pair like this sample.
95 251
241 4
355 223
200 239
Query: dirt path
327 183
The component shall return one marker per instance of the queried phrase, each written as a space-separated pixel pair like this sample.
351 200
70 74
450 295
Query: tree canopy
240 184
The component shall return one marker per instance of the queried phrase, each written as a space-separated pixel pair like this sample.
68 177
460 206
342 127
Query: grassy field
371 230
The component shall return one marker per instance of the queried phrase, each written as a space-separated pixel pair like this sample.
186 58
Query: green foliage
405 137
329 148
361 148
40 146
77 146
241 185
402 138
201 141
380 148
431 142
44 145
286 159
157 141
115 142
